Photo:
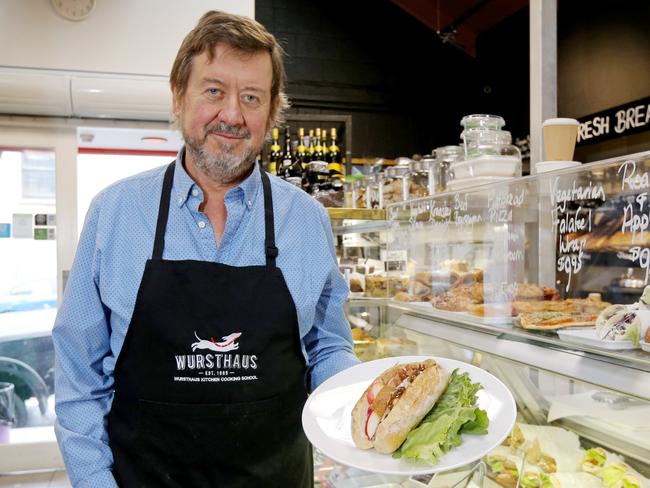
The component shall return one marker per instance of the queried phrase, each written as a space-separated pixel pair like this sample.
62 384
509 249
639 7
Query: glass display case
521 279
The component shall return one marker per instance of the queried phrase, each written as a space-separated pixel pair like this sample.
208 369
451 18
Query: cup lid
560 122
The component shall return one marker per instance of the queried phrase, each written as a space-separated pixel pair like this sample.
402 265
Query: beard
222 166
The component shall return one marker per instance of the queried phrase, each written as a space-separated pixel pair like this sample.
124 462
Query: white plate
589 337
326 418
645 346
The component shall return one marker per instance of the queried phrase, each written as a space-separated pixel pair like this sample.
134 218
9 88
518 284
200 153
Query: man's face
224 112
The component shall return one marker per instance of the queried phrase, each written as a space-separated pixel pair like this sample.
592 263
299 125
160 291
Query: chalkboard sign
623 120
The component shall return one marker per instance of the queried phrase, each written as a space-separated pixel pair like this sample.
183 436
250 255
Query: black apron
210 382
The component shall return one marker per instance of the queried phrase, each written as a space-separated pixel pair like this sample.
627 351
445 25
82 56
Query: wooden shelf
356 213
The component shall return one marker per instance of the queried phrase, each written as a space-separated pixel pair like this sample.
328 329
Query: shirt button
201 224
249 203
195 192
180 200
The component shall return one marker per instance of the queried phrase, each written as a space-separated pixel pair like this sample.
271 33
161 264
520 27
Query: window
38 174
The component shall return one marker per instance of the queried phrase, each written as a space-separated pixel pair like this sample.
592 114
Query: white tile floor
58 479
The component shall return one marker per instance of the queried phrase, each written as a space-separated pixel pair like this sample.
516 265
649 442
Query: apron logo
227 344
215 366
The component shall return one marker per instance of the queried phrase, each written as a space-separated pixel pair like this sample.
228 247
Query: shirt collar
183 184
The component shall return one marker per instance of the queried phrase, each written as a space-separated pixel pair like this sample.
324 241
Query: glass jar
396 184
374 190
422 176
488 152
348 194
445 157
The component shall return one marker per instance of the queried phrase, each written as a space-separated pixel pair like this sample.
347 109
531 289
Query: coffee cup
560 138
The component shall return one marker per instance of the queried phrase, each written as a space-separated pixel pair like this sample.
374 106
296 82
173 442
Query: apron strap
163 212
269 243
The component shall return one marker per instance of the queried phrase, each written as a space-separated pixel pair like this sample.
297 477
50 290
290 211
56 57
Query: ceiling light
154 140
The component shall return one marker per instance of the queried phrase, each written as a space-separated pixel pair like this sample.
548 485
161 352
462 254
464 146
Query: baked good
397 284
395 402
418 288
592 304
402 296
376 286
647 335
424 277
554 320
454 265
355 285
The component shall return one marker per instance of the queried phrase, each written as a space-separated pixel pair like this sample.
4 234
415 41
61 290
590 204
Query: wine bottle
318 149
334 157
311 148
301 150
287 156
275 156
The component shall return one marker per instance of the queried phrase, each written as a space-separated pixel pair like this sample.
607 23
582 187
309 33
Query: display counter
513 277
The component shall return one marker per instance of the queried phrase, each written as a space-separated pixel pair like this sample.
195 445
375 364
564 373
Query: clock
73 9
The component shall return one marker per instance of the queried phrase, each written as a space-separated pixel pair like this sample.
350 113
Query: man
205 297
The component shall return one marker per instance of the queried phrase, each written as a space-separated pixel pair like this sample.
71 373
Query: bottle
334 158
287 156
275 156
323 143
318 150
301 150
311 149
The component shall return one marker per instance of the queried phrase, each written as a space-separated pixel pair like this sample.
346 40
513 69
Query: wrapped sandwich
618 323
553 449
611 469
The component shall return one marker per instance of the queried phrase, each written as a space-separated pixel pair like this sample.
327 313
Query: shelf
636 358
356 213
606 372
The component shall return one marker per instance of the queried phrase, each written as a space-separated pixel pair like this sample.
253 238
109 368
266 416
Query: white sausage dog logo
228 343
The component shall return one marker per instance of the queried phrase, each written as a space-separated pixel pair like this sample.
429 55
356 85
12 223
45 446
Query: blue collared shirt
116 241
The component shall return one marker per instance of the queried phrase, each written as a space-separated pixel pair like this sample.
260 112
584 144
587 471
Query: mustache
227 130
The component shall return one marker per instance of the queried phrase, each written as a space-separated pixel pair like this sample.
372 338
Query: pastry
402 296
376 286
355 285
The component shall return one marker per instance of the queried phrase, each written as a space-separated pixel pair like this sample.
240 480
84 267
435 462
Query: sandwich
611 469
395 402
554 320
417 411
552 449
618 323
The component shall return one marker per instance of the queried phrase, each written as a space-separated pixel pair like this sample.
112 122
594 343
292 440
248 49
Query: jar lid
486 136
397 171
485 121
423 165
450 154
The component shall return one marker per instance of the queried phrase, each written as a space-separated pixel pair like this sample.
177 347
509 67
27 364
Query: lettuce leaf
454 413
594 457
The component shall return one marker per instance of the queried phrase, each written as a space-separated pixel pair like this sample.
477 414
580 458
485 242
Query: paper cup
546 166
560 138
